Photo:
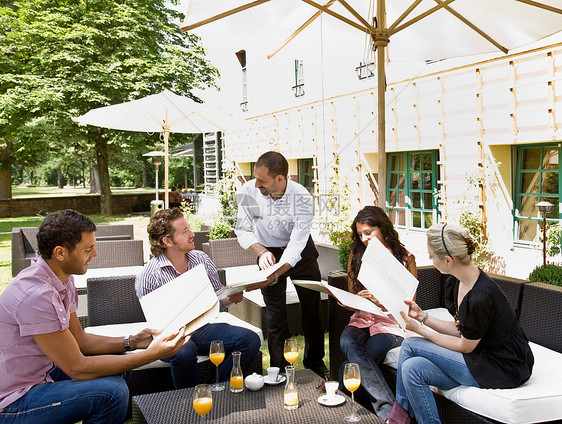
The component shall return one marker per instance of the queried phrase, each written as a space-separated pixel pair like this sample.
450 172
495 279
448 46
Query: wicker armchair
541 314
328 259
200 238
227 253
116 253
24 242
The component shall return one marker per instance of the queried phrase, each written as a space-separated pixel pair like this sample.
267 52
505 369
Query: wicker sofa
114 309
539 307
24 242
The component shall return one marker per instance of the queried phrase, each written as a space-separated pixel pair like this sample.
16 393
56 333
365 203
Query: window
411 182
538 178
306 173
241 55
298 88
365 70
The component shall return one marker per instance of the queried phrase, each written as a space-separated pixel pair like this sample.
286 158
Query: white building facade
480 134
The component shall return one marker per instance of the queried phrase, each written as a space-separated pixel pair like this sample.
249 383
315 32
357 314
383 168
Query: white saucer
326 401
280 379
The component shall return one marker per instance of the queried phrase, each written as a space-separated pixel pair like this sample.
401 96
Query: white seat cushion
114 330
538 400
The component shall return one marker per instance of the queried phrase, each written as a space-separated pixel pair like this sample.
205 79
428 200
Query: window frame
408 190
301 175
298 88
540 194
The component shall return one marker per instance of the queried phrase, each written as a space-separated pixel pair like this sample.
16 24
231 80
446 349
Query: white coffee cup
331 387
272 373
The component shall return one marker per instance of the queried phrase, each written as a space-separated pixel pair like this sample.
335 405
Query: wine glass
216 355
352 380
291 350
202 400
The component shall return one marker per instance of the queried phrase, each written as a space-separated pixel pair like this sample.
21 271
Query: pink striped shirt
35 302
376 323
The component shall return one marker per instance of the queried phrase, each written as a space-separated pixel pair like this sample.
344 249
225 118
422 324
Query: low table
263 406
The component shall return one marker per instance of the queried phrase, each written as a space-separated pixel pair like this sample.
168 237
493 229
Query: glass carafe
290 395
236 376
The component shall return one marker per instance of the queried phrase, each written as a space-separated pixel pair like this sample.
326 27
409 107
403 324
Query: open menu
387 279
344 297
187 301
240 278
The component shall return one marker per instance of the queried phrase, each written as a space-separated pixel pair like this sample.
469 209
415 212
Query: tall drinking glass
352 380
291 350
202 400
216 355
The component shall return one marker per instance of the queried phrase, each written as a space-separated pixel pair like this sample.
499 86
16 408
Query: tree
62 58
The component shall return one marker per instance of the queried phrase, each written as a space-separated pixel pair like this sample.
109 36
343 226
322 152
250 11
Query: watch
276 278
126 344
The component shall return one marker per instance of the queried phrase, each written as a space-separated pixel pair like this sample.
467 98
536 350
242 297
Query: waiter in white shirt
274 219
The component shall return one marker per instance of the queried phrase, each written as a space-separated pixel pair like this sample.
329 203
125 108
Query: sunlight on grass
69 191
5 260
298 364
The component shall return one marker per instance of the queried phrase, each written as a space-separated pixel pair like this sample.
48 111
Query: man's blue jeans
184 363
369 352
423 363
99 401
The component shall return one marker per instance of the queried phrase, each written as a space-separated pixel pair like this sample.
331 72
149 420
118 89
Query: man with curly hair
171 244
50 369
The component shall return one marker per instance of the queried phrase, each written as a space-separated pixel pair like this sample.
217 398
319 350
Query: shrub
551 274
344 251
220 230
193 220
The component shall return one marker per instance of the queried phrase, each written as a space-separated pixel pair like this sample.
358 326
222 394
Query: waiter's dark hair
275 163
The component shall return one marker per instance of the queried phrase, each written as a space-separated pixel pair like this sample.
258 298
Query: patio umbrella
417 29
165 112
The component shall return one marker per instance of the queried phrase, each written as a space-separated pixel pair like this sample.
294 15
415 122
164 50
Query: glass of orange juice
352 380
216 355
291 350
202 400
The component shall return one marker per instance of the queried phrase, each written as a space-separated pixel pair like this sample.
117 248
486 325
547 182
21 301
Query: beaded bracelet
424 318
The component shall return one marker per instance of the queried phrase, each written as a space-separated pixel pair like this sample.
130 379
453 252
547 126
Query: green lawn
69 191
298 363
6 225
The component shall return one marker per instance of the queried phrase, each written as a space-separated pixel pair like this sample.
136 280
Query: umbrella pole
381 129
166 171
381 41
156 182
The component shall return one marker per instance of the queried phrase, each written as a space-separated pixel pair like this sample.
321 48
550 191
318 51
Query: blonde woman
483 347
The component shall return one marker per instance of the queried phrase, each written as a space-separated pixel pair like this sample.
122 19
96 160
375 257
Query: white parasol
165 112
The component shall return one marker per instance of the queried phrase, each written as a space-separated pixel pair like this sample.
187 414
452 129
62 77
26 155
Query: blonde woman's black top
503 358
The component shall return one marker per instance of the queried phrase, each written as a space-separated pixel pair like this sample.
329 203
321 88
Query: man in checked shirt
171 244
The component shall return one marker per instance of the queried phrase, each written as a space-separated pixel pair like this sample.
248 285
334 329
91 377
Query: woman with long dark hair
368 337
